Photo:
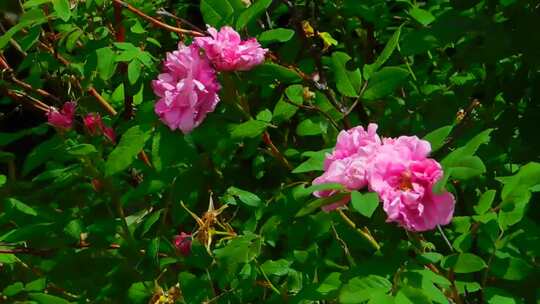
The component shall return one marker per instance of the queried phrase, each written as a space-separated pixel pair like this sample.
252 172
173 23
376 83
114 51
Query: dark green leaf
384 82
131 143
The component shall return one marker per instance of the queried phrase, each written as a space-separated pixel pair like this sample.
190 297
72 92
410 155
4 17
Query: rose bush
269 151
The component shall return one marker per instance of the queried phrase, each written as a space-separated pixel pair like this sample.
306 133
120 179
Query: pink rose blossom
348 162
182 243
187 89
62 119
404 178
228 52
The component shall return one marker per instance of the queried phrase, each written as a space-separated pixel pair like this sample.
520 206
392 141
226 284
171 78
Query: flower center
405 182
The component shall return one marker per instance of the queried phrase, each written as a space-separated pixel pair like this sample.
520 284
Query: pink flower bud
62 119
182 242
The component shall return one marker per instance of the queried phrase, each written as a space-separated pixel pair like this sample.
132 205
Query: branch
156 22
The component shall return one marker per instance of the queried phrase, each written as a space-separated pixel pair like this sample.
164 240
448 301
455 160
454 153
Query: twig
275 151
364 232
102 101
156 22
165 13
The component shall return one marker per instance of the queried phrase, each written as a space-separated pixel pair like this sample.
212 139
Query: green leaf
41 154
31 18
106 62
134 71
422 16
320 202
219 12
36 285
361 289
274 72
13 289
391 45
279 268
150 221
251 129
15 205
245 197
463 263
437 138
31 3
468 149
44 298
131 143
74 229
498 296
62 9
311 126
347 82
366 204
26 233
467 167
81 150
384 82
485 201
252 12
275 35
313 163
140 292
3 180
411 295
331 283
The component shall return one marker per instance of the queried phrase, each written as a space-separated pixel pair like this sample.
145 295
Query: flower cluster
188 87
397 169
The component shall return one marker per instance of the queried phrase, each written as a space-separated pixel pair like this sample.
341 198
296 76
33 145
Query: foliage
86 219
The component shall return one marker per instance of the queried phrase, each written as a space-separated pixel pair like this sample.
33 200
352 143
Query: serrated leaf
131 143
463 263
361 289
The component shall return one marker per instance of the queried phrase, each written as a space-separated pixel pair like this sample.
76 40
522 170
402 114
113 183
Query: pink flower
404 177
348 163
182 243
94 124
109 134
187 89
228 52
62 119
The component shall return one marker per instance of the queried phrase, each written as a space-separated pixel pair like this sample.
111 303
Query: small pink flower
228 52
182 242
187 89
94 124
109 134
404 178
62 119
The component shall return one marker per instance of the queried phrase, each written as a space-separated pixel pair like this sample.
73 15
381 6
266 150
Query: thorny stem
275 151
156 22
364 232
